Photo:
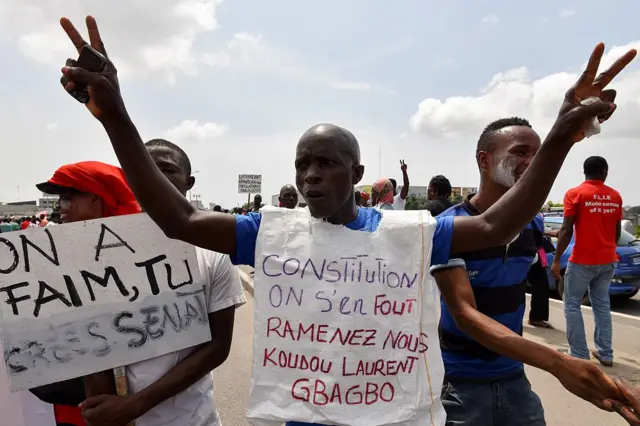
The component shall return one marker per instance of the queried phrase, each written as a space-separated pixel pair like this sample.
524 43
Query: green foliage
457 199
416 202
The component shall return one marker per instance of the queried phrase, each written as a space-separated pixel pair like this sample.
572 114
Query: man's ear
358 172
190 182
484 160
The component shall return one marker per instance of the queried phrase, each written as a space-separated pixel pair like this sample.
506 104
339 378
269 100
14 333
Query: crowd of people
12 223
481 254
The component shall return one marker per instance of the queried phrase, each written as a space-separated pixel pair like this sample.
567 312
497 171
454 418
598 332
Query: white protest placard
249 184
345 322
89 296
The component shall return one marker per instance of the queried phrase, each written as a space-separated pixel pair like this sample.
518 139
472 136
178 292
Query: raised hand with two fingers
103 88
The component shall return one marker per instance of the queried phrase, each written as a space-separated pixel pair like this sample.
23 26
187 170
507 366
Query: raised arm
582 378
158 197
405 180
504 219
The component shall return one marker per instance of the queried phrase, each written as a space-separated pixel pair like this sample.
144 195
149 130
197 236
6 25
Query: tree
416 202
457 198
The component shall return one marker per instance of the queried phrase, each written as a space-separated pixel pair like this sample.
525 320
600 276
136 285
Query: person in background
288 197
26 222
43 220
5 226
592 211
33 222
175 389
358 197
257 203
537 278
15 224
217 208
365 199
438 195
383 194
400 198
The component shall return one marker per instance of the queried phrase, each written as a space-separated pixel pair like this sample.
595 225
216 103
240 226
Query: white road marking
588 308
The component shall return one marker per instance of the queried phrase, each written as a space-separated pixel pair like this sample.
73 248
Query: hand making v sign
103 86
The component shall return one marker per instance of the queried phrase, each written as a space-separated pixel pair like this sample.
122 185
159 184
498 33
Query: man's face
257 200
79 207
289 198
168 161
515 147
325 175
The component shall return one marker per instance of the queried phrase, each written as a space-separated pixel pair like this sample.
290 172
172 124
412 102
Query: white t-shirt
398 203
196 405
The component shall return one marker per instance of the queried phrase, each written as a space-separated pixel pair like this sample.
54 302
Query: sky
236 82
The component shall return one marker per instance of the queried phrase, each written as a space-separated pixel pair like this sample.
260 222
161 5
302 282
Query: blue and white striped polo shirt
498 277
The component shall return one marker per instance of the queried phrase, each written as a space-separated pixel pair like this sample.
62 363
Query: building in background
19 209
47 202
197 203
462 192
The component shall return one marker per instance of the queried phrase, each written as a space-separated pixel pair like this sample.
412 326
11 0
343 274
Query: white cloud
515 92
165 43
490 19
193 130
250 52
567 12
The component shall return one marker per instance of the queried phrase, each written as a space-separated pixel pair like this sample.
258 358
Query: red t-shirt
597 209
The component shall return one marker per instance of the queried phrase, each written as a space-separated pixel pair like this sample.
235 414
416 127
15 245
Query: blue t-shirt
367 220
498 278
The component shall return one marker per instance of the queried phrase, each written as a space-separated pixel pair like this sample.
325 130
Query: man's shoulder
455 210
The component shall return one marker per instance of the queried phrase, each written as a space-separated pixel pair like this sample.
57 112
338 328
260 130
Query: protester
400 198
438 195
593 211
217 208
484 304
288 197
364 199
537 279
5 226
26 223
257 203
383 194
43 220
327 168
87 190
175 389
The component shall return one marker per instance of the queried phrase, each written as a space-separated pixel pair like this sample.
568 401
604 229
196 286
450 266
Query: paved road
562 408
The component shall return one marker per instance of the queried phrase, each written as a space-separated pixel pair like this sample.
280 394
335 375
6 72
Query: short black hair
217 208
485 142
595 167
394 183
358 197
441 186
184 158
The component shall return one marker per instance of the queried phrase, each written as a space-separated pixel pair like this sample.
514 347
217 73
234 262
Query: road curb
247 281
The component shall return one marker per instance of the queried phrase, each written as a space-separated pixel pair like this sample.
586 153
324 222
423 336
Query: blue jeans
498 403
577 280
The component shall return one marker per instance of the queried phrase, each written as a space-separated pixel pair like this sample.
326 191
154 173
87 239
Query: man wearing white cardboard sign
327 167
